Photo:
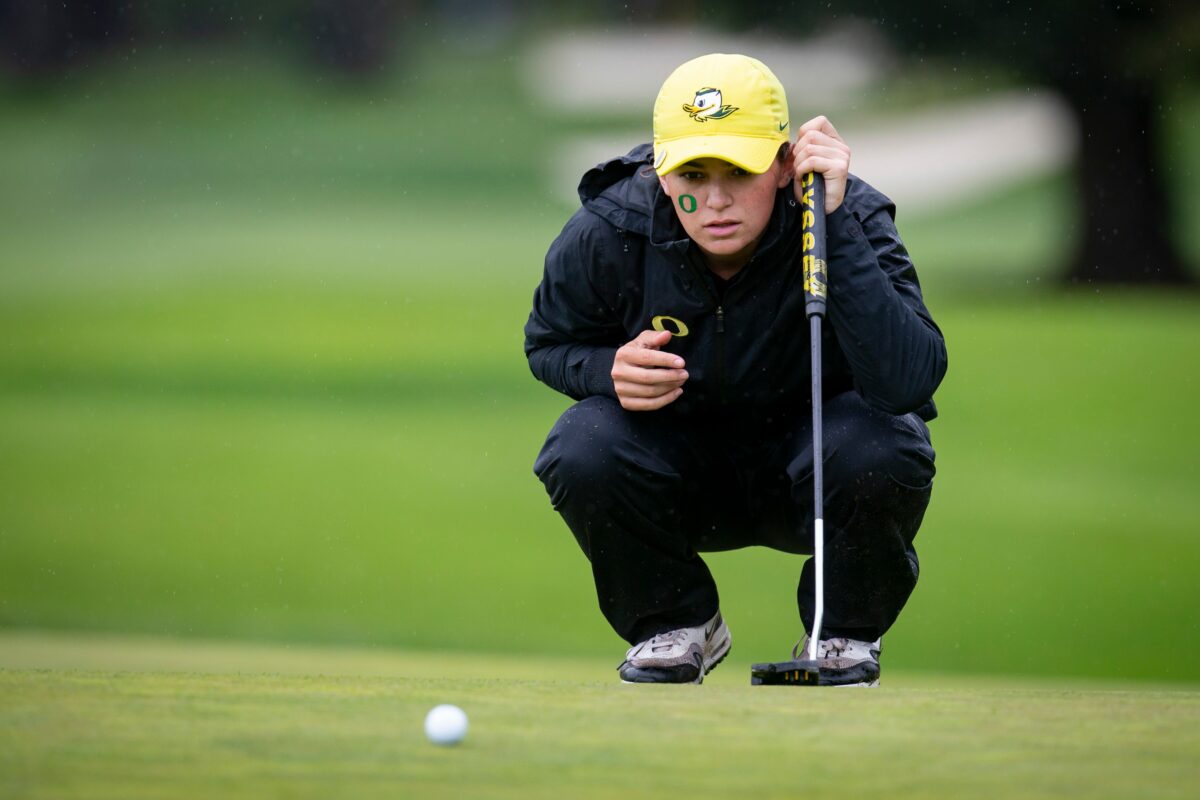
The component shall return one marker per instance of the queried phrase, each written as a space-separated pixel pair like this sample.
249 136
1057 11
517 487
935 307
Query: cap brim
751 153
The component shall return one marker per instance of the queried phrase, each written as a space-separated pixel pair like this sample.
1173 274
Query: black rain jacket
624 259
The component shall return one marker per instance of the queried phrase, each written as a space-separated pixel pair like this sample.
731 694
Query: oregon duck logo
707 105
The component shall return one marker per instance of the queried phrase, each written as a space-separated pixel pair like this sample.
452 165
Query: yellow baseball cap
723 106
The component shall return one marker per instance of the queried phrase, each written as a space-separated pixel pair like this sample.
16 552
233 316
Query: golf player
672 310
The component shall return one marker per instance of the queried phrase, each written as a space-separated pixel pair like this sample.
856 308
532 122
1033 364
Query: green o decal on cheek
687 203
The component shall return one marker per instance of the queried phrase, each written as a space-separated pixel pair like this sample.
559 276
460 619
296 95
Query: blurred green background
261 373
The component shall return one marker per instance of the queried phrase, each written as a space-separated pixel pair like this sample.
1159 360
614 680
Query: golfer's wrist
597 372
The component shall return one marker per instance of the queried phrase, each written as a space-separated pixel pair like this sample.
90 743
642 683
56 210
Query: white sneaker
685 655
845 662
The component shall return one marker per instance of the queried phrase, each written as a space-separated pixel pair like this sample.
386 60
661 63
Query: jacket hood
623 190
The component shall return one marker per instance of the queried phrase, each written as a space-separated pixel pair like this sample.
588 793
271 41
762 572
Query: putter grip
812 251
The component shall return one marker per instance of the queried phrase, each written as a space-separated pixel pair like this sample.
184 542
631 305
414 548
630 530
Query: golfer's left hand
819 148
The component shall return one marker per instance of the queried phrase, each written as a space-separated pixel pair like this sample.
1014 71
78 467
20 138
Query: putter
806 671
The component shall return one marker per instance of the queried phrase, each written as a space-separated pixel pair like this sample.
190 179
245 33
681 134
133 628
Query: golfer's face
723 208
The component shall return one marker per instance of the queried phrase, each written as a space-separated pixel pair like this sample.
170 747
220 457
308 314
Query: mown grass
347 723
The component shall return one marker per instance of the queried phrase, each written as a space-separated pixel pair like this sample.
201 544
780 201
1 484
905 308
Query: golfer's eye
738 172
692 176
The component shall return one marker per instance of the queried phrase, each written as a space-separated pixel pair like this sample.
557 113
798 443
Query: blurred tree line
1116 64
39 38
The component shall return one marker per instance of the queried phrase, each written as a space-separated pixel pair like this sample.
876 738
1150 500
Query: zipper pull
720 319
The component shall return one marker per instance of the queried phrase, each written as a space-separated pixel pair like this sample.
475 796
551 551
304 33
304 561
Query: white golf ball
446 724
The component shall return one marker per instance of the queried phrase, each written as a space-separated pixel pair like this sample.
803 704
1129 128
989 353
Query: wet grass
261 722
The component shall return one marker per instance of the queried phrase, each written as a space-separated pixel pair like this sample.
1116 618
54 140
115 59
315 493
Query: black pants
645 492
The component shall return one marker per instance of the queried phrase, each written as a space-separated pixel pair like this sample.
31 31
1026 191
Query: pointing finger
654 339
653 358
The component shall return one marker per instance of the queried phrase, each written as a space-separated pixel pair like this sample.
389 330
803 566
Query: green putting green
218 719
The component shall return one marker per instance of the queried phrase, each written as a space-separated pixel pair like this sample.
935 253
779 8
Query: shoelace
826 648
834 647
668 639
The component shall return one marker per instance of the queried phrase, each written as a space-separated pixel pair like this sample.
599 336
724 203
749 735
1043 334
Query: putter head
804 672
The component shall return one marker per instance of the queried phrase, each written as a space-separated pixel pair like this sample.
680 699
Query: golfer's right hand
644 376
